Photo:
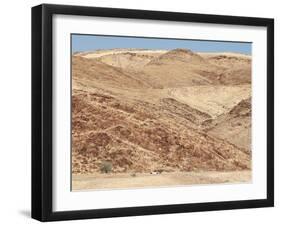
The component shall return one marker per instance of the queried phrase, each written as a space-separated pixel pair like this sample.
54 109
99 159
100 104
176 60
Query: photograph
150 112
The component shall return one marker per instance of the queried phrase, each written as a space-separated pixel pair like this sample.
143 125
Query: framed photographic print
145 112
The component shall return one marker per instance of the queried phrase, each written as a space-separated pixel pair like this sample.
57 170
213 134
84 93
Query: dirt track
126 180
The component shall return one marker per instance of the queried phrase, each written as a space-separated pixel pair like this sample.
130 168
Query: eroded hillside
147 110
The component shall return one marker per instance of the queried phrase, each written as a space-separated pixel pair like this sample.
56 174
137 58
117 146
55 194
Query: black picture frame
42 111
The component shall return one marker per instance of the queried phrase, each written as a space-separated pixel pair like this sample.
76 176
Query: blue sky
95 42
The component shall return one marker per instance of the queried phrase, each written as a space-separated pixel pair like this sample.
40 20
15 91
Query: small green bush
106 167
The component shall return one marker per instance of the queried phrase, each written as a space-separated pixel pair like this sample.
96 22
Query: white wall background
15 118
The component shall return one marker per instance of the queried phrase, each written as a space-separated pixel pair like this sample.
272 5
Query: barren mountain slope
235 125
137 140
180 66
236 67
91 72
127 60
146 111
214 100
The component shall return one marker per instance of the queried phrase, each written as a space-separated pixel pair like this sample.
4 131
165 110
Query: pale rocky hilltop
145 110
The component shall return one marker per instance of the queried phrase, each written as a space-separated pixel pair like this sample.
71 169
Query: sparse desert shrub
106 167
133 174
159 171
